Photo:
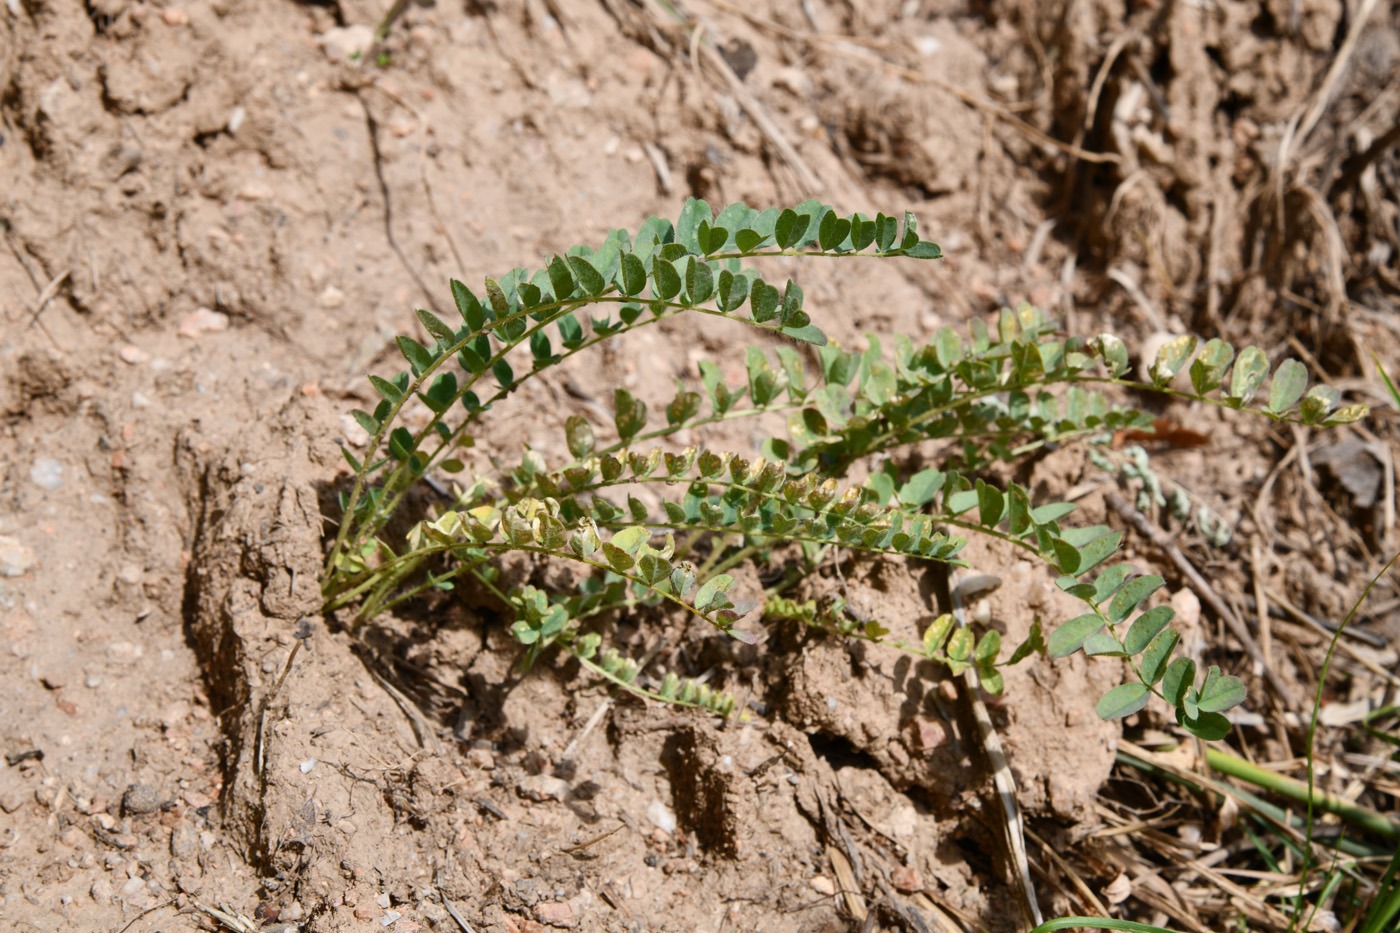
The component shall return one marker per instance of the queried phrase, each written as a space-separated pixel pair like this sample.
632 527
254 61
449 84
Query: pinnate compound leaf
1070 637
1220 691
1251 366
1290 381
1146 627
1123 700
1158 653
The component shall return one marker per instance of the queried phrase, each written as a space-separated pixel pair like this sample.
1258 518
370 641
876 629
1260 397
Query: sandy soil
215 221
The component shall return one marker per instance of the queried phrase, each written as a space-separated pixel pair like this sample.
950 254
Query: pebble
195 799
101 892
343 42
556 914
134 355
11 801
822 885
544 787
203 321
47 473
15 558
905 878
139 400
365 912
174 16
184 841
140 799
331 298
662 817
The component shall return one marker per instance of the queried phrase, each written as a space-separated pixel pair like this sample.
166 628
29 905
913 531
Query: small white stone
331 298
345 42
133 355
236 118
544 787
307 765
203 321
15 558
661 816
139 400
47 473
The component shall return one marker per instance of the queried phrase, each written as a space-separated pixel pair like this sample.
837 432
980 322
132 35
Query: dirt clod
140 799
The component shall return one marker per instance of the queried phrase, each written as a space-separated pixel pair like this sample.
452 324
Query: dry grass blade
846 878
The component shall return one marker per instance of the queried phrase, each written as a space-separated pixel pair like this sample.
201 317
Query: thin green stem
1284 786
1312 725
1098 923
